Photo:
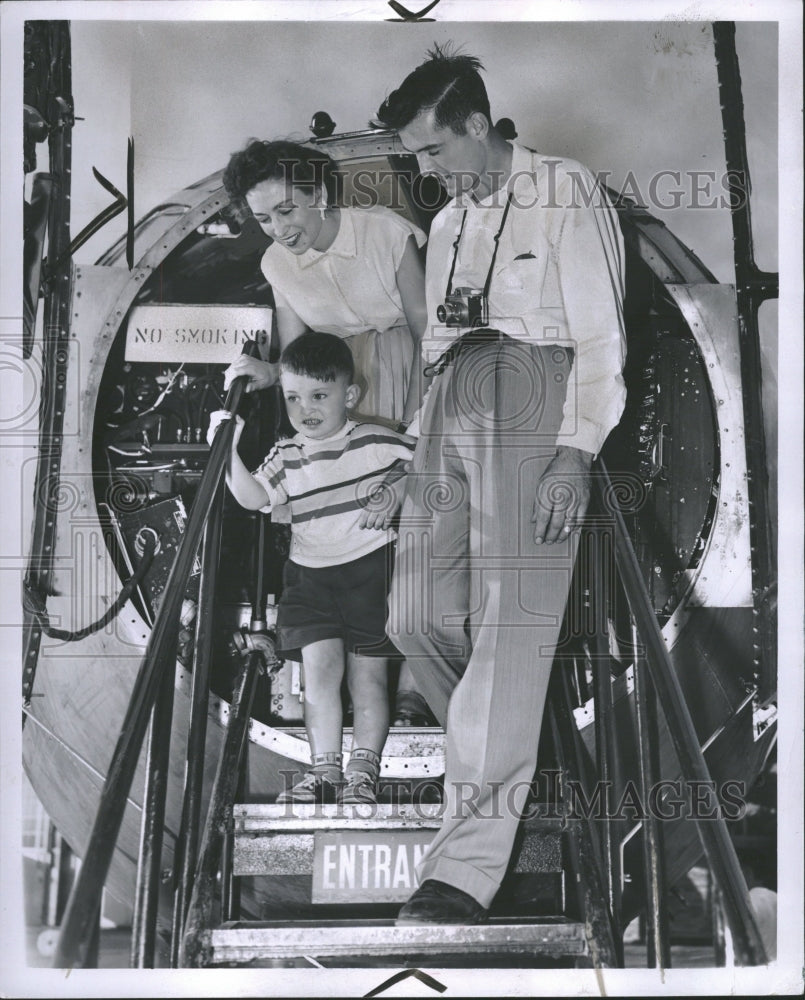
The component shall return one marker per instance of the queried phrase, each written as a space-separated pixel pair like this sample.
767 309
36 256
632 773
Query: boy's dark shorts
348 602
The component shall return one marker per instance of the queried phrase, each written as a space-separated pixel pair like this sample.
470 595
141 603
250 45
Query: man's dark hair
450 84
322 356
301 166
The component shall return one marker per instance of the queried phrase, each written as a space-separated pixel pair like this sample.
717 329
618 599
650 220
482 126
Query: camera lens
451 312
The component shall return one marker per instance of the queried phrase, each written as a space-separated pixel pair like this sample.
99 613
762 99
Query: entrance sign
367 866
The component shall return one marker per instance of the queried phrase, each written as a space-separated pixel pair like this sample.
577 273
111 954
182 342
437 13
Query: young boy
333 603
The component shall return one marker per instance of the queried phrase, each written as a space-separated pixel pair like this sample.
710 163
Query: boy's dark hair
450 84
301 166
322 356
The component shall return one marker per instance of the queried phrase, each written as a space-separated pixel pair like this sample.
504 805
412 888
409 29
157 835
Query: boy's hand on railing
382 505
217 417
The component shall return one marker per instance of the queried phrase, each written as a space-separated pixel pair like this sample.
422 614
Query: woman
355 273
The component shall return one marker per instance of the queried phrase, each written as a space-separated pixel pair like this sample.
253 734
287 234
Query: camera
464 307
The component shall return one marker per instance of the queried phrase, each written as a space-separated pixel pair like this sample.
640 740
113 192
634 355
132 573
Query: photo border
785 975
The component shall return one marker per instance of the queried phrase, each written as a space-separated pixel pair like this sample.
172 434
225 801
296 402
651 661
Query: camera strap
467 339
496 239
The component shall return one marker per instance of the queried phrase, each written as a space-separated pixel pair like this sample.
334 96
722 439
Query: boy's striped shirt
326 484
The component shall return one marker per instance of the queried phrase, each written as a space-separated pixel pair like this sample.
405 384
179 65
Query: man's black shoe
437 902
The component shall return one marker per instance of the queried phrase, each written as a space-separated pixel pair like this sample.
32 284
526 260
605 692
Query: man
500 476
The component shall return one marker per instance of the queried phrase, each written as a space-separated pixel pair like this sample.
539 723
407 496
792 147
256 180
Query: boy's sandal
358 787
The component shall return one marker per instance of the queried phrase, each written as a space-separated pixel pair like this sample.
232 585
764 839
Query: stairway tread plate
402 741
254 818
239 942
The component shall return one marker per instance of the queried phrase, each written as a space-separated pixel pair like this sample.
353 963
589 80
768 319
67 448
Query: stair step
266 818
240 942
409 751
322 840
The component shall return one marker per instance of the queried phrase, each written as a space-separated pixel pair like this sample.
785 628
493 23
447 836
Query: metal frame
56 331
753 287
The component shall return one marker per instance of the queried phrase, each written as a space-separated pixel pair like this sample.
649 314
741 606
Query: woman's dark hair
322 356
450 84
301 166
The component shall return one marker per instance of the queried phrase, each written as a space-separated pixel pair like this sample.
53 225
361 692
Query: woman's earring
323 211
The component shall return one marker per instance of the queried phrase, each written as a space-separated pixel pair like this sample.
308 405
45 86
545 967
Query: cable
35 605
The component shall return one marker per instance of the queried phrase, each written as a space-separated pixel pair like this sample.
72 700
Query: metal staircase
289 884
359 860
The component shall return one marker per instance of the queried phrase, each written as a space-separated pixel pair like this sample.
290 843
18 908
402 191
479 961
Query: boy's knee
369 671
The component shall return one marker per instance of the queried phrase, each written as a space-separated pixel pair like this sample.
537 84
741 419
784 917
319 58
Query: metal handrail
658 948
186 848
148 880
159 659
715 838
596 598
586 862
194 949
